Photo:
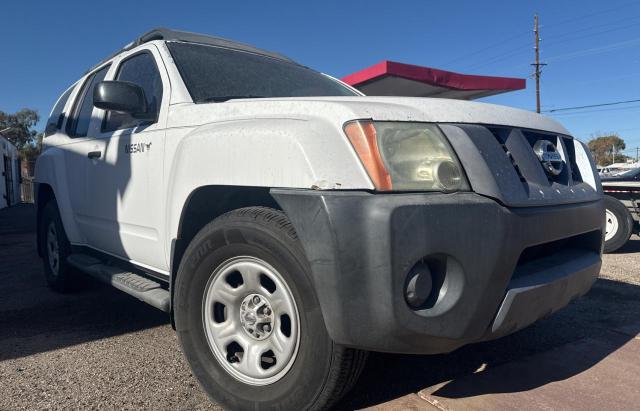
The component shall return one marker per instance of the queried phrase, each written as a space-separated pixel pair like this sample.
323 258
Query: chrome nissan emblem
549 157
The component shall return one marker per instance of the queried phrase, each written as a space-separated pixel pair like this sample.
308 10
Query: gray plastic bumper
504 269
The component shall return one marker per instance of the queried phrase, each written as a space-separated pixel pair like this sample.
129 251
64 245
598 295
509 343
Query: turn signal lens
362 135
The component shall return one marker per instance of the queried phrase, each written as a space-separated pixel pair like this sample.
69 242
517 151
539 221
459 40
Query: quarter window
79 124
140 69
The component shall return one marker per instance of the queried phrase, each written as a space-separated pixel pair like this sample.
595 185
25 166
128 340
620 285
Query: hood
343 109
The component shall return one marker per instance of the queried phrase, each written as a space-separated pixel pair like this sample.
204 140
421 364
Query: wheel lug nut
266 328
256 299
267 311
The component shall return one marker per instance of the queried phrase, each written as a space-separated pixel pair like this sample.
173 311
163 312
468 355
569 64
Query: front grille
518 147
576 176
501 134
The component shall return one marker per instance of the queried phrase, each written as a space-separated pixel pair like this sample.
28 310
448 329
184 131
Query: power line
497 58
595 50
592 105
467 55
596 13
596 26
563 39
596 110
512 52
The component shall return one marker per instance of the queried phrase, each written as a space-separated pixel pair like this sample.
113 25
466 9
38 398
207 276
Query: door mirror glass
121 96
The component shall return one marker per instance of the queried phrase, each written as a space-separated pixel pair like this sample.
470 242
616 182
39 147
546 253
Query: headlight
406 156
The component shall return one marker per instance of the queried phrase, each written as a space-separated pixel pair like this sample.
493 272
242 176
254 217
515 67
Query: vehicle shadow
609 306
34 319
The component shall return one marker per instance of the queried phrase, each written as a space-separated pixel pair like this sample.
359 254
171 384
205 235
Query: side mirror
122 96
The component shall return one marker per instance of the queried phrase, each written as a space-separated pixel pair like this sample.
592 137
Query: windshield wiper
219 99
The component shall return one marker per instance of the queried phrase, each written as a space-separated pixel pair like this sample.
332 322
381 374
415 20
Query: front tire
249 321
619 224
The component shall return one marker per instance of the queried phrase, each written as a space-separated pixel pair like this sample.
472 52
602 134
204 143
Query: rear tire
55 248
619 224
223 269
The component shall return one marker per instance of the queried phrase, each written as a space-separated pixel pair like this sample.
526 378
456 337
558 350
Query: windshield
218 74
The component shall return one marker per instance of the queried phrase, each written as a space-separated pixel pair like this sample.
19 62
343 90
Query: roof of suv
175 35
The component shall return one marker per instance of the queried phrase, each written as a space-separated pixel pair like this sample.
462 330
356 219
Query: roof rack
175 35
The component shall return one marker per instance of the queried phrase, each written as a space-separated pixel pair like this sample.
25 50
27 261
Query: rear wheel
249 321
619 224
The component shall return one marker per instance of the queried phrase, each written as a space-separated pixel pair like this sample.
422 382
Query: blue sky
592 51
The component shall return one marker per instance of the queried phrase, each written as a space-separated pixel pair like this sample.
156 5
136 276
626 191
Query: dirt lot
100 348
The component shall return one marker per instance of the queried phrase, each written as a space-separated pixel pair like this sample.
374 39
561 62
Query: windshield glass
218 74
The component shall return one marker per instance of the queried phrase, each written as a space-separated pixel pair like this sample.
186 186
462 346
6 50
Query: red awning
389 78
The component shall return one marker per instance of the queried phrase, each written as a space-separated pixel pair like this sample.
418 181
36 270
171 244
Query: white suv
290 224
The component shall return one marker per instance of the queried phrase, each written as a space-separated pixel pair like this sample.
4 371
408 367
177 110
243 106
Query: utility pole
537 64
613 155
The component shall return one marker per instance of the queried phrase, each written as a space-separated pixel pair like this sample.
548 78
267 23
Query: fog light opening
425 284
419 285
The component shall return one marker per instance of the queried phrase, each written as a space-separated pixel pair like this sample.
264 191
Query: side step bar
133 284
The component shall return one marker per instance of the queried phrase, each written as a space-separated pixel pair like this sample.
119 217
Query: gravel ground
100 348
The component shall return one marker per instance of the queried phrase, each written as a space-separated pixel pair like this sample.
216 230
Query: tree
603 147
30 152
18 128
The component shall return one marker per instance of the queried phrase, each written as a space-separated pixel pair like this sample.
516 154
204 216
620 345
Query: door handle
94 154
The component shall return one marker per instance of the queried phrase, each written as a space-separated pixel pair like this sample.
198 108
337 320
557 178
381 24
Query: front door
125 178
76 134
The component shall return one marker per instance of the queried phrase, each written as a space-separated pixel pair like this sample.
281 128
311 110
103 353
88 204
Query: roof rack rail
175 35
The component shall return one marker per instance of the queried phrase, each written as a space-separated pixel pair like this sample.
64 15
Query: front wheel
249 321
618 224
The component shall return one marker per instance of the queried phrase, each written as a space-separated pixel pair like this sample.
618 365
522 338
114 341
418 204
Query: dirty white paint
341 109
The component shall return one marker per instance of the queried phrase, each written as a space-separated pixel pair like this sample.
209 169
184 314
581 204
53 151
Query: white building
9 174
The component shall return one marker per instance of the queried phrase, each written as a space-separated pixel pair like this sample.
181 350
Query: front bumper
503 268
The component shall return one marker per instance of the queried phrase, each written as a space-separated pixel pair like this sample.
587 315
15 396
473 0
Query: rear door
125 177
